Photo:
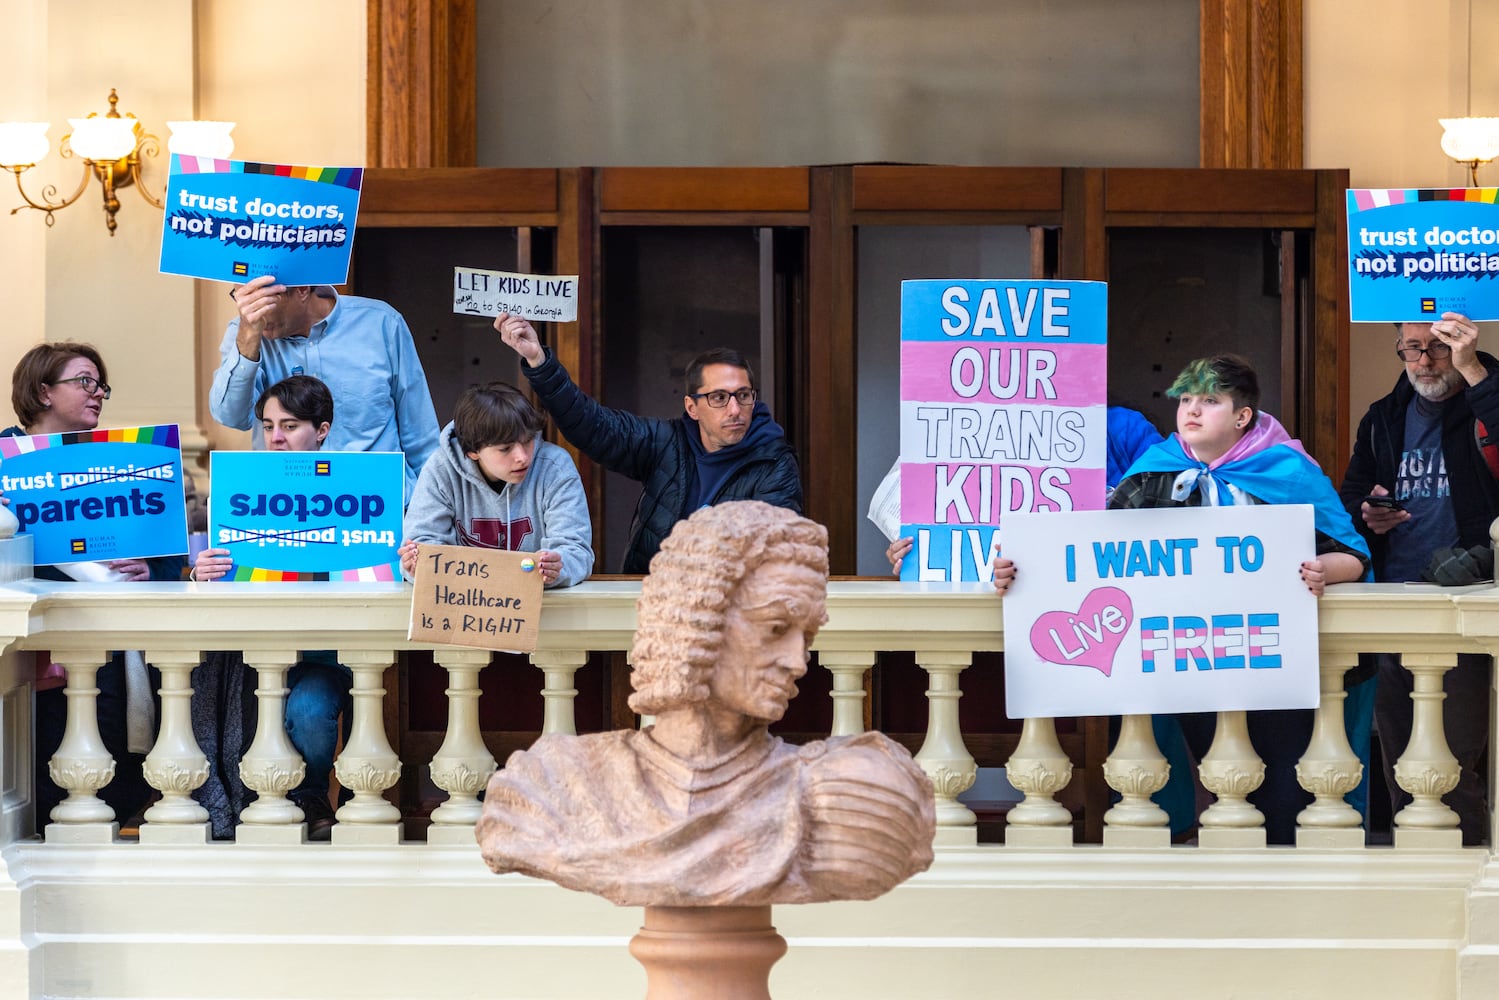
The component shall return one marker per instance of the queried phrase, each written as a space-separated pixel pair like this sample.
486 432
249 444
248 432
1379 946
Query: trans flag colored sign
1003 395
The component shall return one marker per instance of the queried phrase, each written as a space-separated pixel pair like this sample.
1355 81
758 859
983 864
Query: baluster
558 694
462 765
943 754
271 767
1330 769
82 765
175 766
1231 770
848 670
1427 769
368 765
1136 769
1040 768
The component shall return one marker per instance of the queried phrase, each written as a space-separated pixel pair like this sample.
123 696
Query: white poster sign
546 298
1177 610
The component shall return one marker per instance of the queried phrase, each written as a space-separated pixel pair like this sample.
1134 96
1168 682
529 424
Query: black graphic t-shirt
1421 485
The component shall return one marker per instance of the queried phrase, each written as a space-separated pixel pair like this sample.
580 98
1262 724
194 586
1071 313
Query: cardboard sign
1415 254
96 495
548 298
485 598
1003 390
1189 609
228 220
307 515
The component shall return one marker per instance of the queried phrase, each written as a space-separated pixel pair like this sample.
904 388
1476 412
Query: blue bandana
1277 474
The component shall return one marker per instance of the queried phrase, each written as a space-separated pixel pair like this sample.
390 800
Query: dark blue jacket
659 454
1381 439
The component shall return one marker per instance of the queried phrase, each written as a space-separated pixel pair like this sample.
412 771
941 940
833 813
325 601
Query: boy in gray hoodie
493 483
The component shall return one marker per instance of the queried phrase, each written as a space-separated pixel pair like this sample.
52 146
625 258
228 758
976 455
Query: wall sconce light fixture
1471 141
112 147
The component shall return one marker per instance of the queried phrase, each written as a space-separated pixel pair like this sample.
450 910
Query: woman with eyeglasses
60 388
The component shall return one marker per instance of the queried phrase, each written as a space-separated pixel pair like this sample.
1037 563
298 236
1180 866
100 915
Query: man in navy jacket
726 446
1423 447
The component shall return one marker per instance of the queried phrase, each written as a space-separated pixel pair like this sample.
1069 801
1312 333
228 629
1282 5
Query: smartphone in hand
1384 500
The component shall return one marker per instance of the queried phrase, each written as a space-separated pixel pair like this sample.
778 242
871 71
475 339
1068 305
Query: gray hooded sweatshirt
453 504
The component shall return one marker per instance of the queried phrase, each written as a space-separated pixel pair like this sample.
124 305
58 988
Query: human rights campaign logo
240 269
322 467
78 546
1428 305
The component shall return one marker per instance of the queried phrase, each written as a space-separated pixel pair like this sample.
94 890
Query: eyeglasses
1435 352
87 383
719 398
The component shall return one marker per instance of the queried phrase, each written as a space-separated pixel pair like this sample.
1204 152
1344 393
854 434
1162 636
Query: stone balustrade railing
944 625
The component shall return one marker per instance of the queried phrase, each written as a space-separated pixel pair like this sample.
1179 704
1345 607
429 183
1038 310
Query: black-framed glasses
719 398
87 383
1436 352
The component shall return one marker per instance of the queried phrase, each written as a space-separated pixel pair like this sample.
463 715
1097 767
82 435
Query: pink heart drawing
1089 637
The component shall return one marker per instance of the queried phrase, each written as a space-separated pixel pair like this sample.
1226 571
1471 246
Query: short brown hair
497 413
43 365
693 381
303 396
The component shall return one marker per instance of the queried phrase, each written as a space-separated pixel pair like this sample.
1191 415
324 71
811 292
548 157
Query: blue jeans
319 693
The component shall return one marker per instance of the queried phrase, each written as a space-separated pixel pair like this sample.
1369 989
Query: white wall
786 82
23 51
101 289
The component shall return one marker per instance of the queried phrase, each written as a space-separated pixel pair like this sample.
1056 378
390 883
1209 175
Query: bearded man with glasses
1422 486
725 446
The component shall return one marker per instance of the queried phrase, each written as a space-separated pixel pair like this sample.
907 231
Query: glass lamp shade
1469 139
23 143
198 138
102 139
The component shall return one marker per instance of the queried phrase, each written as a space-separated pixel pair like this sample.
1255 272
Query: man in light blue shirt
361 348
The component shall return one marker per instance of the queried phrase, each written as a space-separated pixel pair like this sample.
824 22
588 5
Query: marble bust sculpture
705 807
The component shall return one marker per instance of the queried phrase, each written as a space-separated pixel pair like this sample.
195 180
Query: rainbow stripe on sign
165 435
384 572
1364 200
348 177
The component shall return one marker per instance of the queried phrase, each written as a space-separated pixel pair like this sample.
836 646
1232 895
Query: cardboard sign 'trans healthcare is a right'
483 598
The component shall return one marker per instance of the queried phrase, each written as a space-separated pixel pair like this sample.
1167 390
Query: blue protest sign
307 515
96 495
1415 254
228 220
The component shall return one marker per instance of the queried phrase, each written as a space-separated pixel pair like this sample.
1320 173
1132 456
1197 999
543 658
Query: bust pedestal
707 952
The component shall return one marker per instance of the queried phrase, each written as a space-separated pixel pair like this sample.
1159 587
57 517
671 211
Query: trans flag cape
1267 464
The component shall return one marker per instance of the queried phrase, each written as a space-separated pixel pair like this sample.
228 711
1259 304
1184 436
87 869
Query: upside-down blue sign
307 515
